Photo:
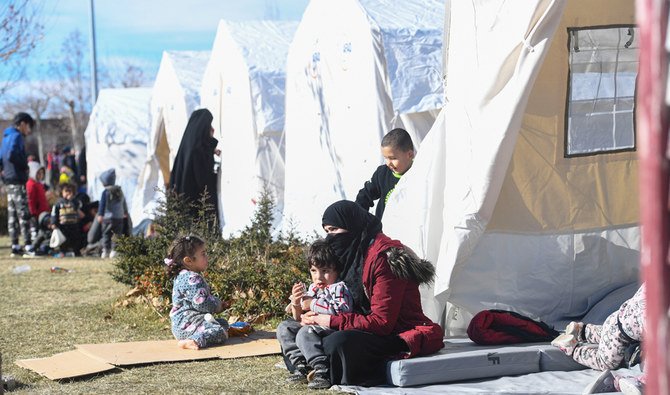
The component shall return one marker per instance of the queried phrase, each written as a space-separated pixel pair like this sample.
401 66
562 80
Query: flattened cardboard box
65 365
96 358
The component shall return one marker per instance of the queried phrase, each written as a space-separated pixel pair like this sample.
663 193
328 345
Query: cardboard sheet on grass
96 358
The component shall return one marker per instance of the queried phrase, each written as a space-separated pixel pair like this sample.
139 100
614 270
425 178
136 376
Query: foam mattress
461 359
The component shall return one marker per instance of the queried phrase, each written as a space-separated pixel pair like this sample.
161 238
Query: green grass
44 313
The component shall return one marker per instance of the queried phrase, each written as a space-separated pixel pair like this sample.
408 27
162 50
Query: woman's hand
312 318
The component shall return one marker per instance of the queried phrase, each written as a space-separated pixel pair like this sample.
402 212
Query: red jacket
37 198
395 305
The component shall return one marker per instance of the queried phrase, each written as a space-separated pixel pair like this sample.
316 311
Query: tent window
601 90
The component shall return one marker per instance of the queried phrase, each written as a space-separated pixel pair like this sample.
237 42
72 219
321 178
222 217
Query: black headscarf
351 247
193 168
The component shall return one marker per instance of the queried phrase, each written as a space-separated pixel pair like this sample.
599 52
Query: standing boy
66 215
14 166
112 209
398 152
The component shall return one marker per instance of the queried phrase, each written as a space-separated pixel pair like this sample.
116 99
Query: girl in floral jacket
192 301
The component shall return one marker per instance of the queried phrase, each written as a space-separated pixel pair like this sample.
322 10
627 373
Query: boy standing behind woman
112 210
398 152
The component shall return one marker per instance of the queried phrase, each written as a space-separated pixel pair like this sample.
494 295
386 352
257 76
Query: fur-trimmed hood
405 264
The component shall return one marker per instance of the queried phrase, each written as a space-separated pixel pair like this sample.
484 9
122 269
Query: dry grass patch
44 313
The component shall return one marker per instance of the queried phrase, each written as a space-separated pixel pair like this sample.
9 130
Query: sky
138 31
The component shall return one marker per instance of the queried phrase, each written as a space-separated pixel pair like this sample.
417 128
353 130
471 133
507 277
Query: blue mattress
461 359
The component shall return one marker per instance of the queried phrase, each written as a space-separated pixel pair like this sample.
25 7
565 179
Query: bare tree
20 31
71 89
37 103
133 77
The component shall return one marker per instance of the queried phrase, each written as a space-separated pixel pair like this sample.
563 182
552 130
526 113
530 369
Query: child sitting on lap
192 299
302 345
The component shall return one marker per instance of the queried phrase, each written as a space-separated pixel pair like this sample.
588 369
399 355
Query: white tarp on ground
564 383
175 95
491 200
243 86
116 137
355 70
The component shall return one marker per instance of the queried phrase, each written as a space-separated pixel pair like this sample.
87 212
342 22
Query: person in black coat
193 171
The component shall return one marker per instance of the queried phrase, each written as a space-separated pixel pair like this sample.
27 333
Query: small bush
254 272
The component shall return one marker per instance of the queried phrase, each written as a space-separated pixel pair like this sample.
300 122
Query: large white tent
243 87
116 137
355 69
524 195
175 95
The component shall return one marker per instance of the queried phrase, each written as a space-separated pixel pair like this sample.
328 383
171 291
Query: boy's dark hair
67 187
398 138
182 247
24 117
320 255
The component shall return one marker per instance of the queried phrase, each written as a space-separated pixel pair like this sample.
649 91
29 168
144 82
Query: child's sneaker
320 379
575 329
16 251
603 383
299 375
104 254
565 342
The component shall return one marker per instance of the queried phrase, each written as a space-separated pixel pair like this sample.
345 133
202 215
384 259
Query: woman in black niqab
351 247
193 169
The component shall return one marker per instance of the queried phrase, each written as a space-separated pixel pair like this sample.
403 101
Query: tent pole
652 133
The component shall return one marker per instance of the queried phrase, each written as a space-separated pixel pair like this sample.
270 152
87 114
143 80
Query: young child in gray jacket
112 211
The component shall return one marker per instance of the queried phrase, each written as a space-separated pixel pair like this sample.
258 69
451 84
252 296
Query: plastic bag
57 238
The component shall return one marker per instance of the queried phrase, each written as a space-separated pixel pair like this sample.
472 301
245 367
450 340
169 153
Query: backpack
490 327
115 202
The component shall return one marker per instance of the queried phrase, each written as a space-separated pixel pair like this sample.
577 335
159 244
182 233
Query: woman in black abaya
193 169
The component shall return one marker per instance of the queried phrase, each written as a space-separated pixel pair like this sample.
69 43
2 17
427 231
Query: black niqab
193 168
351 247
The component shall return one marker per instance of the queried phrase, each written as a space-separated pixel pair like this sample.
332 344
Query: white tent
512 211
243 87
116 137
356 69
175 95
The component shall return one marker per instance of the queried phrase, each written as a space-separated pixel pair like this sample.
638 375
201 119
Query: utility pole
94 68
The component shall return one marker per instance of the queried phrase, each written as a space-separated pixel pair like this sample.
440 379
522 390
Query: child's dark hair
67 187
398 138
320 255
182 247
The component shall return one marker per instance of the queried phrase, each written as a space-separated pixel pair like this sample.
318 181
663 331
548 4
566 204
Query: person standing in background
14 167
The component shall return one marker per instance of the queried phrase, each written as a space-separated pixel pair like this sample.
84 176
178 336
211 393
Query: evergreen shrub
253 272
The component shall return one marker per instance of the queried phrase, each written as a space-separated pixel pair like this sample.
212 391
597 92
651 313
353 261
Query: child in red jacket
37 197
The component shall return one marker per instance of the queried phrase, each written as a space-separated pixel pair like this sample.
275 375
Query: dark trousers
359 358
72 233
